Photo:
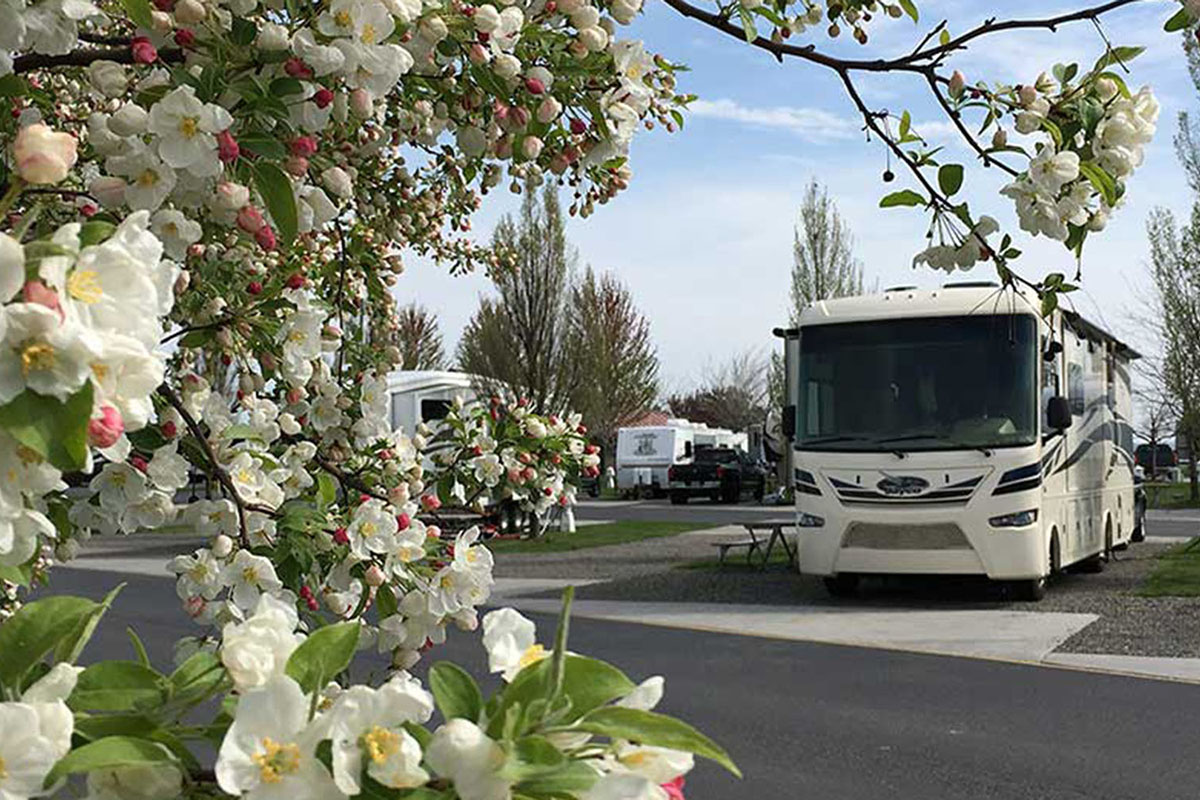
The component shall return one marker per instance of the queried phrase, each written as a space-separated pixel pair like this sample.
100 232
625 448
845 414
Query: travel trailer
956 431
425 396
645 454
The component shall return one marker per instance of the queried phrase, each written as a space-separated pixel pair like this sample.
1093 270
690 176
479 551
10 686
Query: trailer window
434 410
1075 388
932 383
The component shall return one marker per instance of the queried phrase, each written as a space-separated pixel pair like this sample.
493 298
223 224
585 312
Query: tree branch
82 58
215 470
956 118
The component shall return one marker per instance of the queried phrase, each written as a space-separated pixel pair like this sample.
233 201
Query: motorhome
425 396
645 454
957 431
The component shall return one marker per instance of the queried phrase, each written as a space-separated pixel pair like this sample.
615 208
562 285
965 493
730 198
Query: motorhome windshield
934 383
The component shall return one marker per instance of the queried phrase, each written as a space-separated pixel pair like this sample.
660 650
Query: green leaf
571 779
326 652
118 686
242 32
35 630
138 647
748 28
1122 87
1049 303
950 178
1075 239
1180 21
455 692
139 12
326 491
905 124
659 730
910 8
276 191
1104 183
95 232
13 86
944 37
262 145
55 430
587 682
109 752
905 197
1117 55
72 646
198 675
285 86
20 575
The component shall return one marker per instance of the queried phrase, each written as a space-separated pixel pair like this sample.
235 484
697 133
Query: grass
588 536
1169 495
1177 573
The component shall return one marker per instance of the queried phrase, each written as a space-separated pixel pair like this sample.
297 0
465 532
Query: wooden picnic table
762 536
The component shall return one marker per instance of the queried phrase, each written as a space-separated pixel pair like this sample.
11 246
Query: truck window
716 455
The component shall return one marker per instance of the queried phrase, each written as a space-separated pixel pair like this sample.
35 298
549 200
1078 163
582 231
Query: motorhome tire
1027 591
678 499
844 585
1092 564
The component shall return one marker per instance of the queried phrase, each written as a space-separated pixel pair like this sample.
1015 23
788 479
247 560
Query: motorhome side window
1075 388
1050 387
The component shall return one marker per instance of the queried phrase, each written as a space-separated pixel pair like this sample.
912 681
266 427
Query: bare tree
824 264
610 343
419 339
732 394
518 340
1158 420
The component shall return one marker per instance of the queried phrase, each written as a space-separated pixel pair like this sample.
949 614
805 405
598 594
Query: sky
703 236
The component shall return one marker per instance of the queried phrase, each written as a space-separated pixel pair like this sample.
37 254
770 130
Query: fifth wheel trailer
957 431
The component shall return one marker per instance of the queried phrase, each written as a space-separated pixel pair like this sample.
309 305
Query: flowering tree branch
83 57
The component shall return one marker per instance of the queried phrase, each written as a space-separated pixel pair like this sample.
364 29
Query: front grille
875 536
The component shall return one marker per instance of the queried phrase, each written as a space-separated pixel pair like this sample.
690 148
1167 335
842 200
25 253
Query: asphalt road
819 721
1177 523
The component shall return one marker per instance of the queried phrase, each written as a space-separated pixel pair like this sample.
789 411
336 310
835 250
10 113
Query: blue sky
703 235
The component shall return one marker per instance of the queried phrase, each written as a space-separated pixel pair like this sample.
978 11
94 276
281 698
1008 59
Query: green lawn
1177 573
593 536
1169 495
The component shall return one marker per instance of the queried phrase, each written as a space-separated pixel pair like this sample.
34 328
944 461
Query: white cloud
813 124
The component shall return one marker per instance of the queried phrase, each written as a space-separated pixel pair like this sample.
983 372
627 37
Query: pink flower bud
518 117
674 789
265 237
323 98
138 463
296 68
531 147
430 502
185 38
374 576
1027 94
578 126
227 147
104 430
43 155
168 429
143 51
41 294
548 110
403 521
957 82
296 165
194 606
254 287
296 281
361 104
535 86
341 537
222 546
477 54
303 146
250 219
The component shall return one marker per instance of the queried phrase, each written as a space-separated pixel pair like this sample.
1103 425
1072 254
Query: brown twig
346 479
956 118
214 468
88 55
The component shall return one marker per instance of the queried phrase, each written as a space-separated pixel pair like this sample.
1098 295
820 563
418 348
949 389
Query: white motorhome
425 396
956 431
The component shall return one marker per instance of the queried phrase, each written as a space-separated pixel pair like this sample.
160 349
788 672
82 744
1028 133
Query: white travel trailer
956 431
645 454
425 396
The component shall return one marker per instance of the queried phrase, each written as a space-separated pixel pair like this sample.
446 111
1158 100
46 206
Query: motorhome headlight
806 520
1018 520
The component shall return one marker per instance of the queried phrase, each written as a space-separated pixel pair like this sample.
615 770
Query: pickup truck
723 474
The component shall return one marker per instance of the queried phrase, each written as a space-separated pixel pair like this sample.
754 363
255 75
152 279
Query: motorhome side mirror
789 422
687 449
1058 413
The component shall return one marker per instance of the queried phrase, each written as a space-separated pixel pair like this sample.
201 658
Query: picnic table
762 536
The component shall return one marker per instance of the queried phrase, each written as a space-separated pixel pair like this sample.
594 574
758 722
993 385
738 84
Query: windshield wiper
959 445
832 439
